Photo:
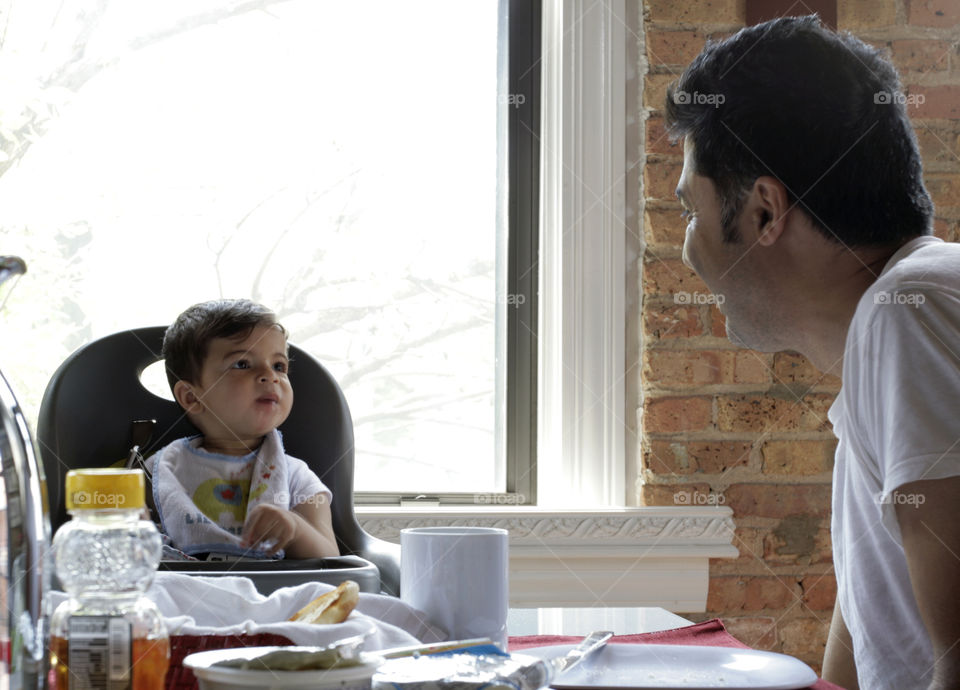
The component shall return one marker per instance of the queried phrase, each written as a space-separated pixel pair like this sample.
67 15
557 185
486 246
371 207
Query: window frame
517 275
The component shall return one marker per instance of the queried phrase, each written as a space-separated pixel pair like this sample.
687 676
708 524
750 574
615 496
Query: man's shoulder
923 271
929 263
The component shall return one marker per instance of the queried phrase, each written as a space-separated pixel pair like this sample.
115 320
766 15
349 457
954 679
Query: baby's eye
281 367
241 364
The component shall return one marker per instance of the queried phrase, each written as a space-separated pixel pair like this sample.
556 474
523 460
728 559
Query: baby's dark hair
187 340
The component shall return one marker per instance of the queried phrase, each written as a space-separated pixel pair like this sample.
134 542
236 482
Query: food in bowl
292 659
211 675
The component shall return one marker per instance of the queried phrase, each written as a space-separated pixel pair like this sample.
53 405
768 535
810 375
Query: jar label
99 653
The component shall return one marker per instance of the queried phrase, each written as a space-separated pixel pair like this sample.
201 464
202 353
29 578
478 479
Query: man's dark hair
820 111
187 340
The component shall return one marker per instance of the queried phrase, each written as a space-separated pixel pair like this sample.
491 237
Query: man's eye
241 364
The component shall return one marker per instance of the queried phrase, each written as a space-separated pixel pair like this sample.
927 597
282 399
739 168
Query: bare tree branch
81 68
349 378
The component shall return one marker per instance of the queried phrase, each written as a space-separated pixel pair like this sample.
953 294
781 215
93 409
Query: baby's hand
269 528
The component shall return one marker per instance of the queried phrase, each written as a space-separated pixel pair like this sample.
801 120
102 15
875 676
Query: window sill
656 556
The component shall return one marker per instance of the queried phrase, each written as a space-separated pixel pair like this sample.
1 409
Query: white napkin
228 605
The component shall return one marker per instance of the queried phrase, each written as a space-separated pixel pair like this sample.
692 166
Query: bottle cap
105 489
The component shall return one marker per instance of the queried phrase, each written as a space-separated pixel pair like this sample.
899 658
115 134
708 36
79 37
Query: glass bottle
107 635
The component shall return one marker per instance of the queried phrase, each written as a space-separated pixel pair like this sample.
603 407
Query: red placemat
707 634
181 646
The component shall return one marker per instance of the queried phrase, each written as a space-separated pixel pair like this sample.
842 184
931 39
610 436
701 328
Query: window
346 164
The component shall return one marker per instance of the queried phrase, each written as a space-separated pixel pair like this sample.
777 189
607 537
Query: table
581 621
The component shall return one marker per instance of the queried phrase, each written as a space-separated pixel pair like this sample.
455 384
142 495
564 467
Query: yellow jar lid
105 489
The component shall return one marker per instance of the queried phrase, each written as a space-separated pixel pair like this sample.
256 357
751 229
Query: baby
231 490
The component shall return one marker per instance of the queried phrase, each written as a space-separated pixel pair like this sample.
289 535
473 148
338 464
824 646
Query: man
807 211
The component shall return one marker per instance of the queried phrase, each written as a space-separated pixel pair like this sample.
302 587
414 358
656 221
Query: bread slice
332 607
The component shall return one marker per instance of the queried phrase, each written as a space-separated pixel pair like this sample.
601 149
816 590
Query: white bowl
212 677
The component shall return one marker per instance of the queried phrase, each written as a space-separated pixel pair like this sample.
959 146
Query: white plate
222 677
675 666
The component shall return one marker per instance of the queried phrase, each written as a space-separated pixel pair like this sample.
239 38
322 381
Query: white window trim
580 452
614 557
580 546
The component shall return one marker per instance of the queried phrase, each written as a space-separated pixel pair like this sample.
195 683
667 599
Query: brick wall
742 428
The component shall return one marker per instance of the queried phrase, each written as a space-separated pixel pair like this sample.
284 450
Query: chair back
94 397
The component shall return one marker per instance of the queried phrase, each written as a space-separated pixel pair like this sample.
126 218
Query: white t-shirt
897 418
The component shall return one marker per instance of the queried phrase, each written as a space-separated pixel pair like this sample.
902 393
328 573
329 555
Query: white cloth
896 421
203 498
198 605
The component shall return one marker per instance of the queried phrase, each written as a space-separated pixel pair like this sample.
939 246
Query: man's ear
768 206
184 394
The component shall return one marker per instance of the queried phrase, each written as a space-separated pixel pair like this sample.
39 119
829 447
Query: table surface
582 621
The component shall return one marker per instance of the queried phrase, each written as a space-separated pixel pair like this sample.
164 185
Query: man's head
819 111
227 365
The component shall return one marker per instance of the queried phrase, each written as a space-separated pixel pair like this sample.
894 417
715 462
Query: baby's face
244 391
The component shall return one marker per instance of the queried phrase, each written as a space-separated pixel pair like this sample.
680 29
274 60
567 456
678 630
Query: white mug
458 577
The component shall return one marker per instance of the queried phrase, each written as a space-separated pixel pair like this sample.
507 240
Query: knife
588 646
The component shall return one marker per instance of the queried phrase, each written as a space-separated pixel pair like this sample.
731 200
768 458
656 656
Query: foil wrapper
464 671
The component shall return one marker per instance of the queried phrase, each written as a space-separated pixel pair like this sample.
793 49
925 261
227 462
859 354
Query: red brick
696 11
798 457
670 494
938 144
664 457
751 593
921 55
794 540
674 414
749 542
759 632
751 367
677 48
823 545
792 367
853 15
798 540
655 90
704 367
671 321
718 322
763 413
688 367
664 227
952 231
778 500
719 456
819 592
944 188
709 457
670 277
942 13
660 179
658 140
943 230
939 102
805 638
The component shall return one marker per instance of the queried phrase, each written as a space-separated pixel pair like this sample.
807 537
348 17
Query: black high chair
88 413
